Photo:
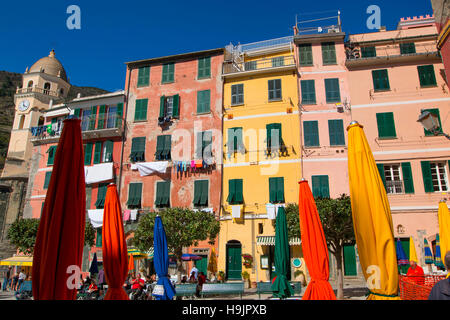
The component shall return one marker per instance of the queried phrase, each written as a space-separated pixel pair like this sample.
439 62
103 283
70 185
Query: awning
137 254
17 261
270 241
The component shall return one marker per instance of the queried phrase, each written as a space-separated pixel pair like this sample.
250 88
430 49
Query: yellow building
262 169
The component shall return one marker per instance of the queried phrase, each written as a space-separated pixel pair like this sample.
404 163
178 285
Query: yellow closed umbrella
444 228
412 251
212 265
372 221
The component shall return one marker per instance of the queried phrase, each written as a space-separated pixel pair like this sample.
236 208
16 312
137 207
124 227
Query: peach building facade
393 75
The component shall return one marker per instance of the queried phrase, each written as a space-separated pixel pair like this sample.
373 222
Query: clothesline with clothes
51 129
192 165
237 210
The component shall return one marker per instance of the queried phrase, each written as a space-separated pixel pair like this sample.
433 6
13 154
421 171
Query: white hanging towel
271 211
133 214
210 210
99 173
148 168
236 211
96 217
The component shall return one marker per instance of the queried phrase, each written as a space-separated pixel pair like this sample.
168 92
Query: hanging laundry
192 166
126 215
271 211
49 128
133 215
236 211
198 163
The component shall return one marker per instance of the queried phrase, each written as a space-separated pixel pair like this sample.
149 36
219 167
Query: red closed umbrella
114 246
60 237
314 245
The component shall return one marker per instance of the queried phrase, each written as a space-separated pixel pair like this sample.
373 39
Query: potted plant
221 276
248 260
246 277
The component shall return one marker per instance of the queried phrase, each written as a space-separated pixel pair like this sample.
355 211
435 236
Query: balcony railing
259 65
267 44
394 186
46 92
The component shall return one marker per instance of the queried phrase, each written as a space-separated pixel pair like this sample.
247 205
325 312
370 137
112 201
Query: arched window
30 83
47 88
21 122
41 121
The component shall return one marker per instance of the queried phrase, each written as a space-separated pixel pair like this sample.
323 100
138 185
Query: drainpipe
124 132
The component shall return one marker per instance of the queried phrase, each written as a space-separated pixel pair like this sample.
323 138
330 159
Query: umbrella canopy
412 251
444 227
131 263
280 286
190 257
314 246
212 264
402 259
437 255
114 246
60 237
372 220
94 265
164 289
428 254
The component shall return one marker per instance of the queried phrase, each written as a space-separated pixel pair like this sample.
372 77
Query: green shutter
141 110
368 52
386 125
426 174
380 80
143 76
407 48
204 193
315 182
167 147
308 91
325 187
204 67
109 145
93 118
276 190
332 90
207 141
162 194
134 195
159 147
380 167
101 117
336 131
168 72
328 53
231 144
199 145
51 155
203 101
239 196
426 76
407 177
119 115
162 106
280 190
231 191
101 195
320 186
435 112
98 241
305 54
48 175
176 106
77 112
138 149
88 154
97 152
274 91
311 133
197 193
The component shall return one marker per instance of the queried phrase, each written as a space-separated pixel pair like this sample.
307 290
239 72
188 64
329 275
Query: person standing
441 290
22 277
193 274
101 278
15 281
6 279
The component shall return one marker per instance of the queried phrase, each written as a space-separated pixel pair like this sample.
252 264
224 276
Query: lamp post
430 122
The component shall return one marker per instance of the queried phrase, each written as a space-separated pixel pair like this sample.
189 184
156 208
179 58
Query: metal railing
266 44
259 64
355 52
394 186
47 92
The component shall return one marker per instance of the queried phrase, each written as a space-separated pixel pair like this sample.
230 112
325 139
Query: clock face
23 105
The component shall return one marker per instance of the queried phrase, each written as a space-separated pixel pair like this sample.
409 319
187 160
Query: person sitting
441 290
137 284
415 273
201 281
184 279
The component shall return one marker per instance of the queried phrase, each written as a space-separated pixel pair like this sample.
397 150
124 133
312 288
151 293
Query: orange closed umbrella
131 263
314 246
60 237
114 246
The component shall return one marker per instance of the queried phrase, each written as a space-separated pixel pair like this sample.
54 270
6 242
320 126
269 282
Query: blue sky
114 32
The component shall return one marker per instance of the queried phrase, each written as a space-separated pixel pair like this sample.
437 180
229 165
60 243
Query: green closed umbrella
280 286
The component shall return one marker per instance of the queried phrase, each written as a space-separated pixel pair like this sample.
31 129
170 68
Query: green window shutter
407 48
280 190
320 186
336 131
203 101
204 67
332 90
101 195
138 149
426 174
97 152
201 193
308 91
143 76
311 133
380 167
407 177
159 147
199 146
276 190
435 112
274 135
167 147
325 187
176 106
328 53
77 112
386 125
231 191
315 182
239 196
168 72
162 194
88 154
237 94
380 80
204 196
93 118
48 175
197 193
274 89
368 52
231 144
51 155
426 76
207 144
162 109
141 110
119 115
108 146
134 195
305 54
98 241
277 62
101 117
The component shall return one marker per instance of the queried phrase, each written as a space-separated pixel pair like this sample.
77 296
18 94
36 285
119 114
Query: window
85 118
204 68
101 194
237 94
92 118
107 151
336 130
277 62
305 54
203 101
435 176
274 90
204 145
48 175
21 122
276 190
51 155
435 112
395 180
30 84
407 48
235 141
332 90
386 125
101 117
114 116
88 153
320 186
427 77
380 80
169 107
137 149
97 152
311 133
274 137
143 76
163 147
201 193
162 194
134 195
368 52
168 73
250 65
98 241
308 91
235 195
328 53
140 112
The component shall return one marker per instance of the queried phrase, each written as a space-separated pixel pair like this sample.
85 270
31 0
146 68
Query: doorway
234 260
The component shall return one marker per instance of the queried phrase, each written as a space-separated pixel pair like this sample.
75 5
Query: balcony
43 91
105 126
276 64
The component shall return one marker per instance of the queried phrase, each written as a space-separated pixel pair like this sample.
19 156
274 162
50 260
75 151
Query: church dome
50 65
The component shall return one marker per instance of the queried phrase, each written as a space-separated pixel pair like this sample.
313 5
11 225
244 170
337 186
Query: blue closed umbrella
94 265
437 257
402 259
428 254
163 289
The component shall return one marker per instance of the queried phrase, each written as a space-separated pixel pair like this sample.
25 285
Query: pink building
394 75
